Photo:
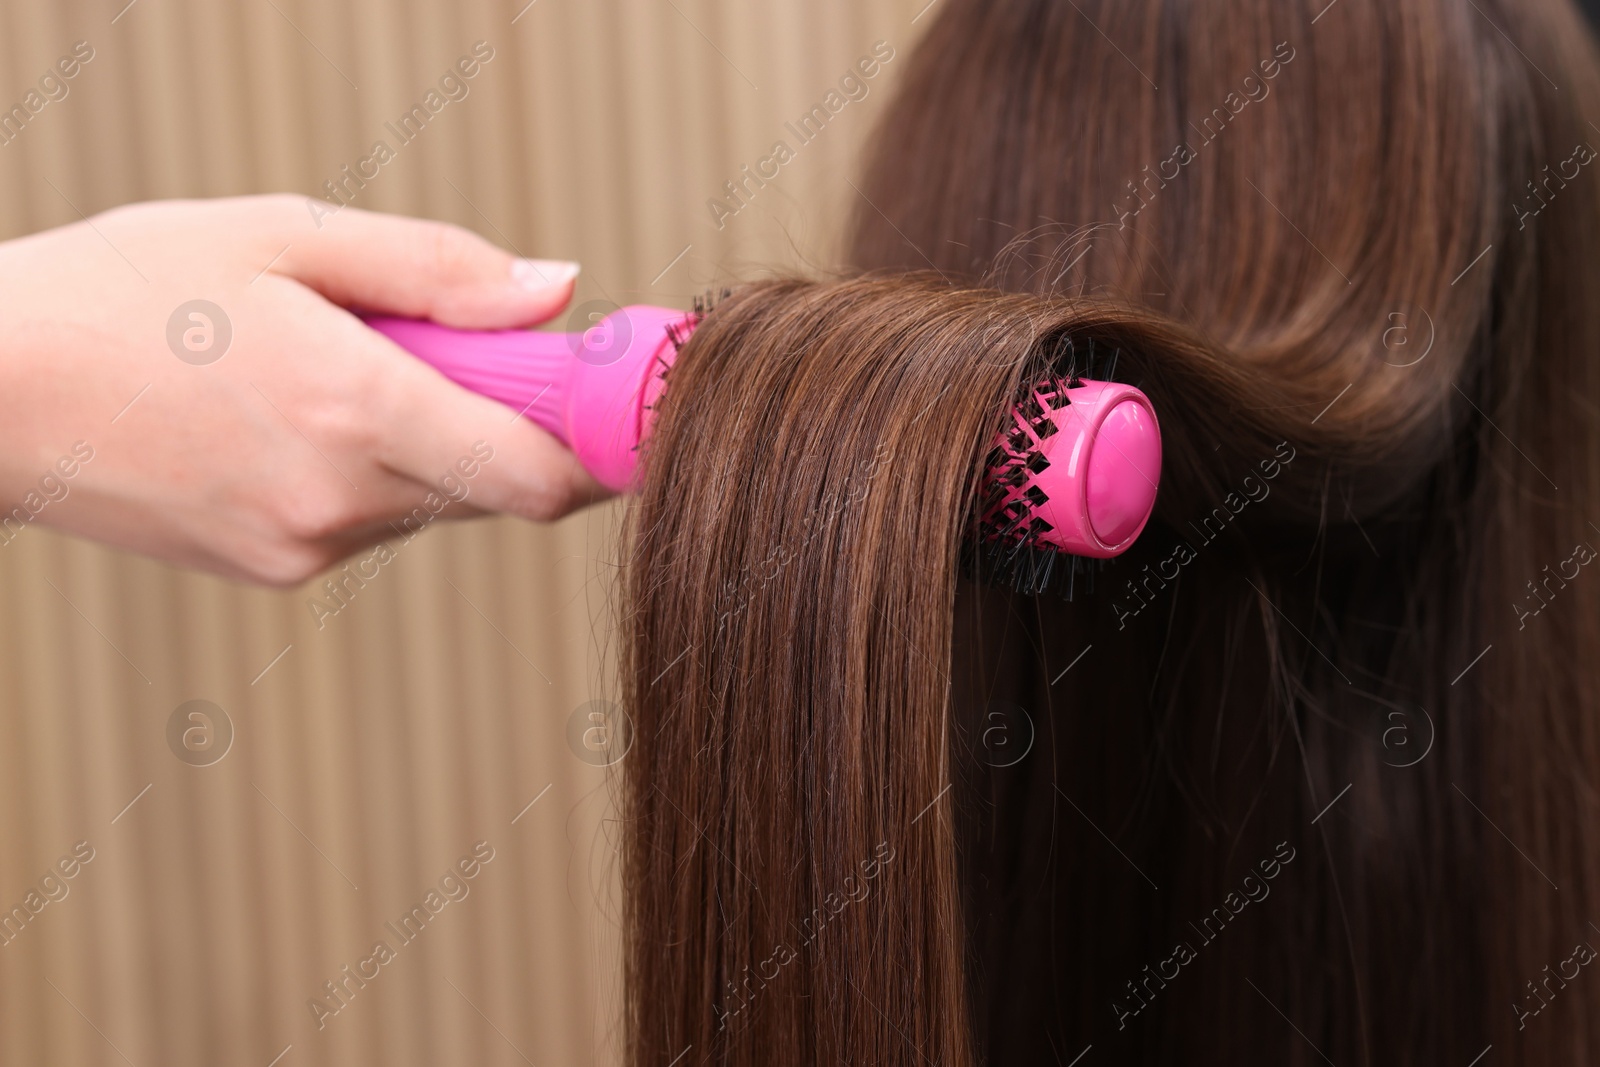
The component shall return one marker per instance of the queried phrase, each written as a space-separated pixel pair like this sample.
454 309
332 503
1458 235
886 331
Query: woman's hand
265 433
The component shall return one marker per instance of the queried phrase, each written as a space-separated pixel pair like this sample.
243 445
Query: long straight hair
1307 776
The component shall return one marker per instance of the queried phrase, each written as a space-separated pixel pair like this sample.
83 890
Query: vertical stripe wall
374 752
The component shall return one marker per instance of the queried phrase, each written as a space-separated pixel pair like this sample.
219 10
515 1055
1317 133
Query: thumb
423 269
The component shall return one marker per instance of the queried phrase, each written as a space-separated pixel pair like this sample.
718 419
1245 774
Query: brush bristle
1008 549
703 305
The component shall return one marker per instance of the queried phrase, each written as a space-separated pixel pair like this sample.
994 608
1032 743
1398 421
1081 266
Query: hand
270 454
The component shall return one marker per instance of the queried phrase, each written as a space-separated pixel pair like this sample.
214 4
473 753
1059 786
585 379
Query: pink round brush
1077 471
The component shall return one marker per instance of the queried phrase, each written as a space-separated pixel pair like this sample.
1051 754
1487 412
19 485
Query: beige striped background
371 755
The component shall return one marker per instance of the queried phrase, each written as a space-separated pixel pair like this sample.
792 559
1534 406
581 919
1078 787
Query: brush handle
592 390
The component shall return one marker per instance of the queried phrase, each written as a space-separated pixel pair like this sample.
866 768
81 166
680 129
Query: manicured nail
543 273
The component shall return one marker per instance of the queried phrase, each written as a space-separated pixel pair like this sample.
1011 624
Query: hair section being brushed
794 559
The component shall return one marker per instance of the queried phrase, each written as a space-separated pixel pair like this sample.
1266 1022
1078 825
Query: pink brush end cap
1105 465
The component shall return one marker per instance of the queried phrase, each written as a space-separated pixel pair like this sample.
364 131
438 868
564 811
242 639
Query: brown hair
1358 291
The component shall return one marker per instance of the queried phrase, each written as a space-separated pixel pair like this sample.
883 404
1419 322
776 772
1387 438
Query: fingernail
543 273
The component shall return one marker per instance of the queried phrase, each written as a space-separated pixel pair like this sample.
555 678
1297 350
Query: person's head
1297 778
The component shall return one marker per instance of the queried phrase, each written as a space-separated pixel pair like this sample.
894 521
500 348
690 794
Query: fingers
478 455
424 269
471 450
439 434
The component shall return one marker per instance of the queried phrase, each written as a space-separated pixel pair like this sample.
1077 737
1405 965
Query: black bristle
1009 550
700 307
1003 535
